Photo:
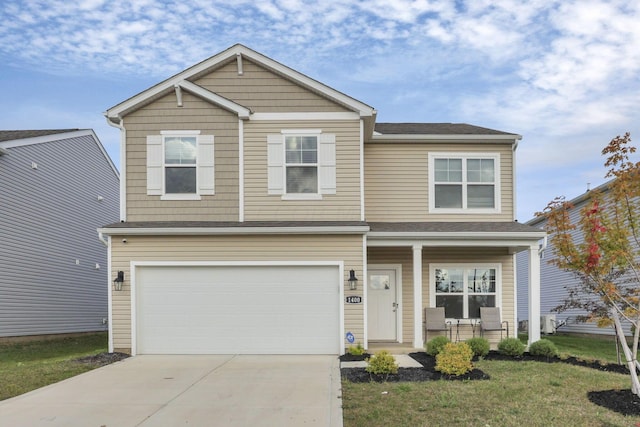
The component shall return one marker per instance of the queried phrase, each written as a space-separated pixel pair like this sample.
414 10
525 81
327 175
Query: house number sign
353 299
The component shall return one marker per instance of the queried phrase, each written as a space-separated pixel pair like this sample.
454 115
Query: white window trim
464 156
464 266
179 196
300 132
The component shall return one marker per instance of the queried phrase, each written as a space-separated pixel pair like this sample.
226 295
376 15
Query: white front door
382 305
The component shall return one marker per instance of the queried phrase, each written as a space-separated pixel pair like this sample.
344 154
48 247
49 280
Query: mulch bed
426 373
101 359
621 401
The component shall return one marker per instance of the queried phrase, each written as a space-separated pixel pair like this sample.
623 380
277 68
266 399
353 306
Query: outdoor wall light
118 281
353 280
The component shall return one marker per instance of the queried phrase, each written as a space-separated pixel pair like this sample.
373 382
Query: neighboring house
56 188
553 282
253 194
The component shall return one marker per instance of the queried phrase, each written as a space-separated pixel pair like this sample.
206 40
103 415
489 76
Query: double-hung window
180 154
301 164
463 289
180 165
464 182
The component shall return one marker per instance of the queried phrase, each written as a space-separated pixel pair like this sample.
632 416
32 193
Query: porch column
417 296
534 294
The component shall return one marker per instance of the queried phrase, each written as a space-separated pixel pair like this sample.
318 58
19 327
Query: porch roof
497 234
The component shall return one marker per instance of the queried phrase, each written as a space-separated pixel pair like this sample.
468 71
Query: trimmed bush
382 363
435 345
544 348
479 346
512 347
455 359
356 350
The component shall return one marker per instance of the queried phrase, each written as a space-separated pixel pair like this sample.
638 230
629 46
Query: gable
263 90
241 55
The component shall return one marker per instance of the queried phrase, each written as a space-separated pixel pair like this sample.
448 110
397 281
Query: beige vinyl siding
344 205
263 91
164 114
438 256
346 248
397 187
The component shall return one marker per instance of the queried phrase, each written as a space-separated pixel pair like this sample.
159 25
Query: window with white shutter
180 165
301 164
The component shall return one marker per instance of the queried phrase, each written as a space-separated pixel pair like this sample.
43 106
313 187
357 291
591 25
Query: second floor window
464 183
180 165
180 154
301 162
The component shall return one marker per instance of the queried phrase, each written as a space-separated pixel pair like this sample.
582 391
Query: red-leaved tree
602 249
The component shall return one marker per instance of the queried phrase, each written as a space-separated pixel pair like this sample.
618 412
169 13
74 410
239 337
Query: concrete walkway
403 361
189 390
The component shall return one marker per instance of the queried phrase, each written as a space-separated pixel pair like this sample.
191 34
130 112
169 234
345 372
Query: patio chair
434 320
490 321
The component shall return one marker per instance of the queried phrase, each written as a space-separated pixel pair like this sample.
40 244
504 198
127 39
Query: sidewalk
403 361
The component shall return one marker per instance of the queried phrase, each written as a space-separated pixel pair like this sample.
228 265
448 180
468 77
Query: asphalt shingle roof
435 129
10 135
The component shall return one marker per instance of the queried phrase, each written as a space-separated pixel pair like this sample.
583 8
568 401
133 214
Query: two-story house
56 187
255 196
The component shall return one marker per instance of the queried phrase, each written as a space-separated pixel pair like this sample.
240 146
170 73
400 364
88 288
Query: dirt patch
101 359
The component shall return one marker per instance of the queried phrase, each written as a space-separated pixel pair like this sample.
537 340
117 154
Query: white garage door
237 310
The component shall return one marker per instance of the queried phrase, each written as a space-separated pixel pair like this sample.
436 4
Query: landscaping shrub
455 359
479 346
356 350
382 363
543 348
435 345
512 347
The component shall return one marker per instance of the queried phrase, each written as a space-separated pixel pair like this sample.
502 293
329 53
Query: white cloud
561 72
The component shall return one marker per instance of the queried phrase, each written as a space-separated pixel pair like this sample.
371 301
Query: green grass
592 348
31 365
518 393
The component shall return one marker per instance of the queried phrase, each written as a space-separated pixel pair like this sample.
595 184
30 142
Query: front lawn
31 365
518 393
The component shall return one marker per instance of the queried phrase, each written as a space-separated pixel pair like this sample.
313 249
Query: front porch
461 269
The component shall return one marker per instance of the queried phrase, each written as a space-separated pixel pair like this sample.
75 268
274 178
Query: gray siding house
56 188
553 282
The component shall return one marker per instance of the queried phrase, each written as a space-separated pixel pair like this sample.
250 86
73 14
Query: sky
563 74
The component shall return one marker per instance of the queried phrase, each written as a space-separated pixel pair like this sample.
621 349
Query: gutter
158 231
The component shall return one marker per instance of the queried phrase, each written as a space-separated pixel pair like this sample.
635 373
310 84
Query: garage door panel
253 309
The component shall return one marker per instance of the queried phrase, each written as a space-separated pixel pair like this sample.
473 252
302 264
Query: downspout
513 178
123 164
543 246
102 239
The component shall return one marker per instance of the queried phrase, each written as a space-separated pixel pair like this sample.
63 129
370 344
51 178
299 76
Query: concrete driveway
220 390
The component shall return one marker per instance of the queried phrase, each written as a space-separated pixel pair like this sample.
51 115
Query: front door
382 305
